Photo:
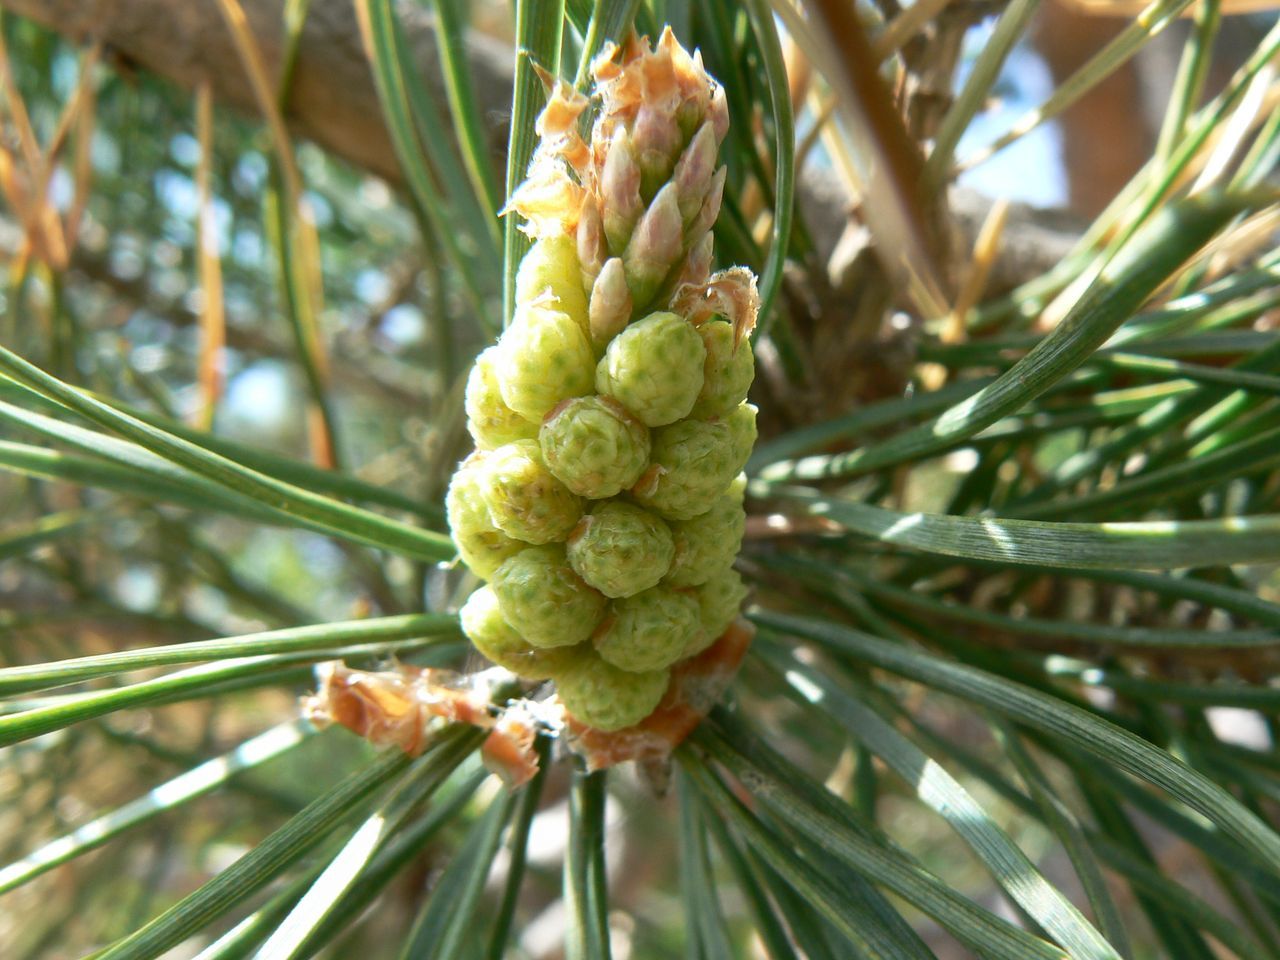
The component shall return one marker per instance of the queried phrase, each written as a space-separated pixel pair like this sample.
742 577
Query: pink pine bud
610 305
697 88
656 140
590 240
655 246
718 113
706 216
620 204
695 271
694 170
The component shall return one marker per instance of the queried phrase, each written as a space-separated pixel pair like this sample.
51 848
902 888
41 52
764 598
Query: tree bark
1105 134
332 98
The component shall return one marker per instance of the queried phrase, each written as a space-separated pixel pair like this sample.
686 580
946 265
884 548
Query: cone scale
611 417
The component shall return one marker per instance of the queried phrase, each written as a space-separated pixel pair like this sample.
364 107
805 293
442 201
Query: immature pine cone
611 418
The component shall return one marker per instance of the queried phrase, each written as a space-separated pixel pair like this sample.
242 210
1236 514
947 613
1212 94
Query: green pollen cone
544 358
524 498
649 631
600 695
726 374
490 421
538 591
489 632
694 461
480 543
550 275
708 542
594 446
654 368
621 549
719 602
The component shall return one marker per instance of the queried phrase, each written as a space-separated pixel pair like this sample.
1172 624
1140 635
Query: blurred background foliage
151 215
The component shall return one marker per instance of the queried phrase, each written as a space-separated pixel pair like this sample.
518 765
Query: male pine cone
611 420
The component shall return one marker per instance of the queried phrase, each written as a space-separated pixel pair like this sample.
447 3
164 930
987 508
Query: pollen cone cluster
603 503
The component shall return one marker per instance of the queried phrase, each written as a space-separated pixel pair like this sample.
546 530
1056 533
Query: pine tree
820 578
